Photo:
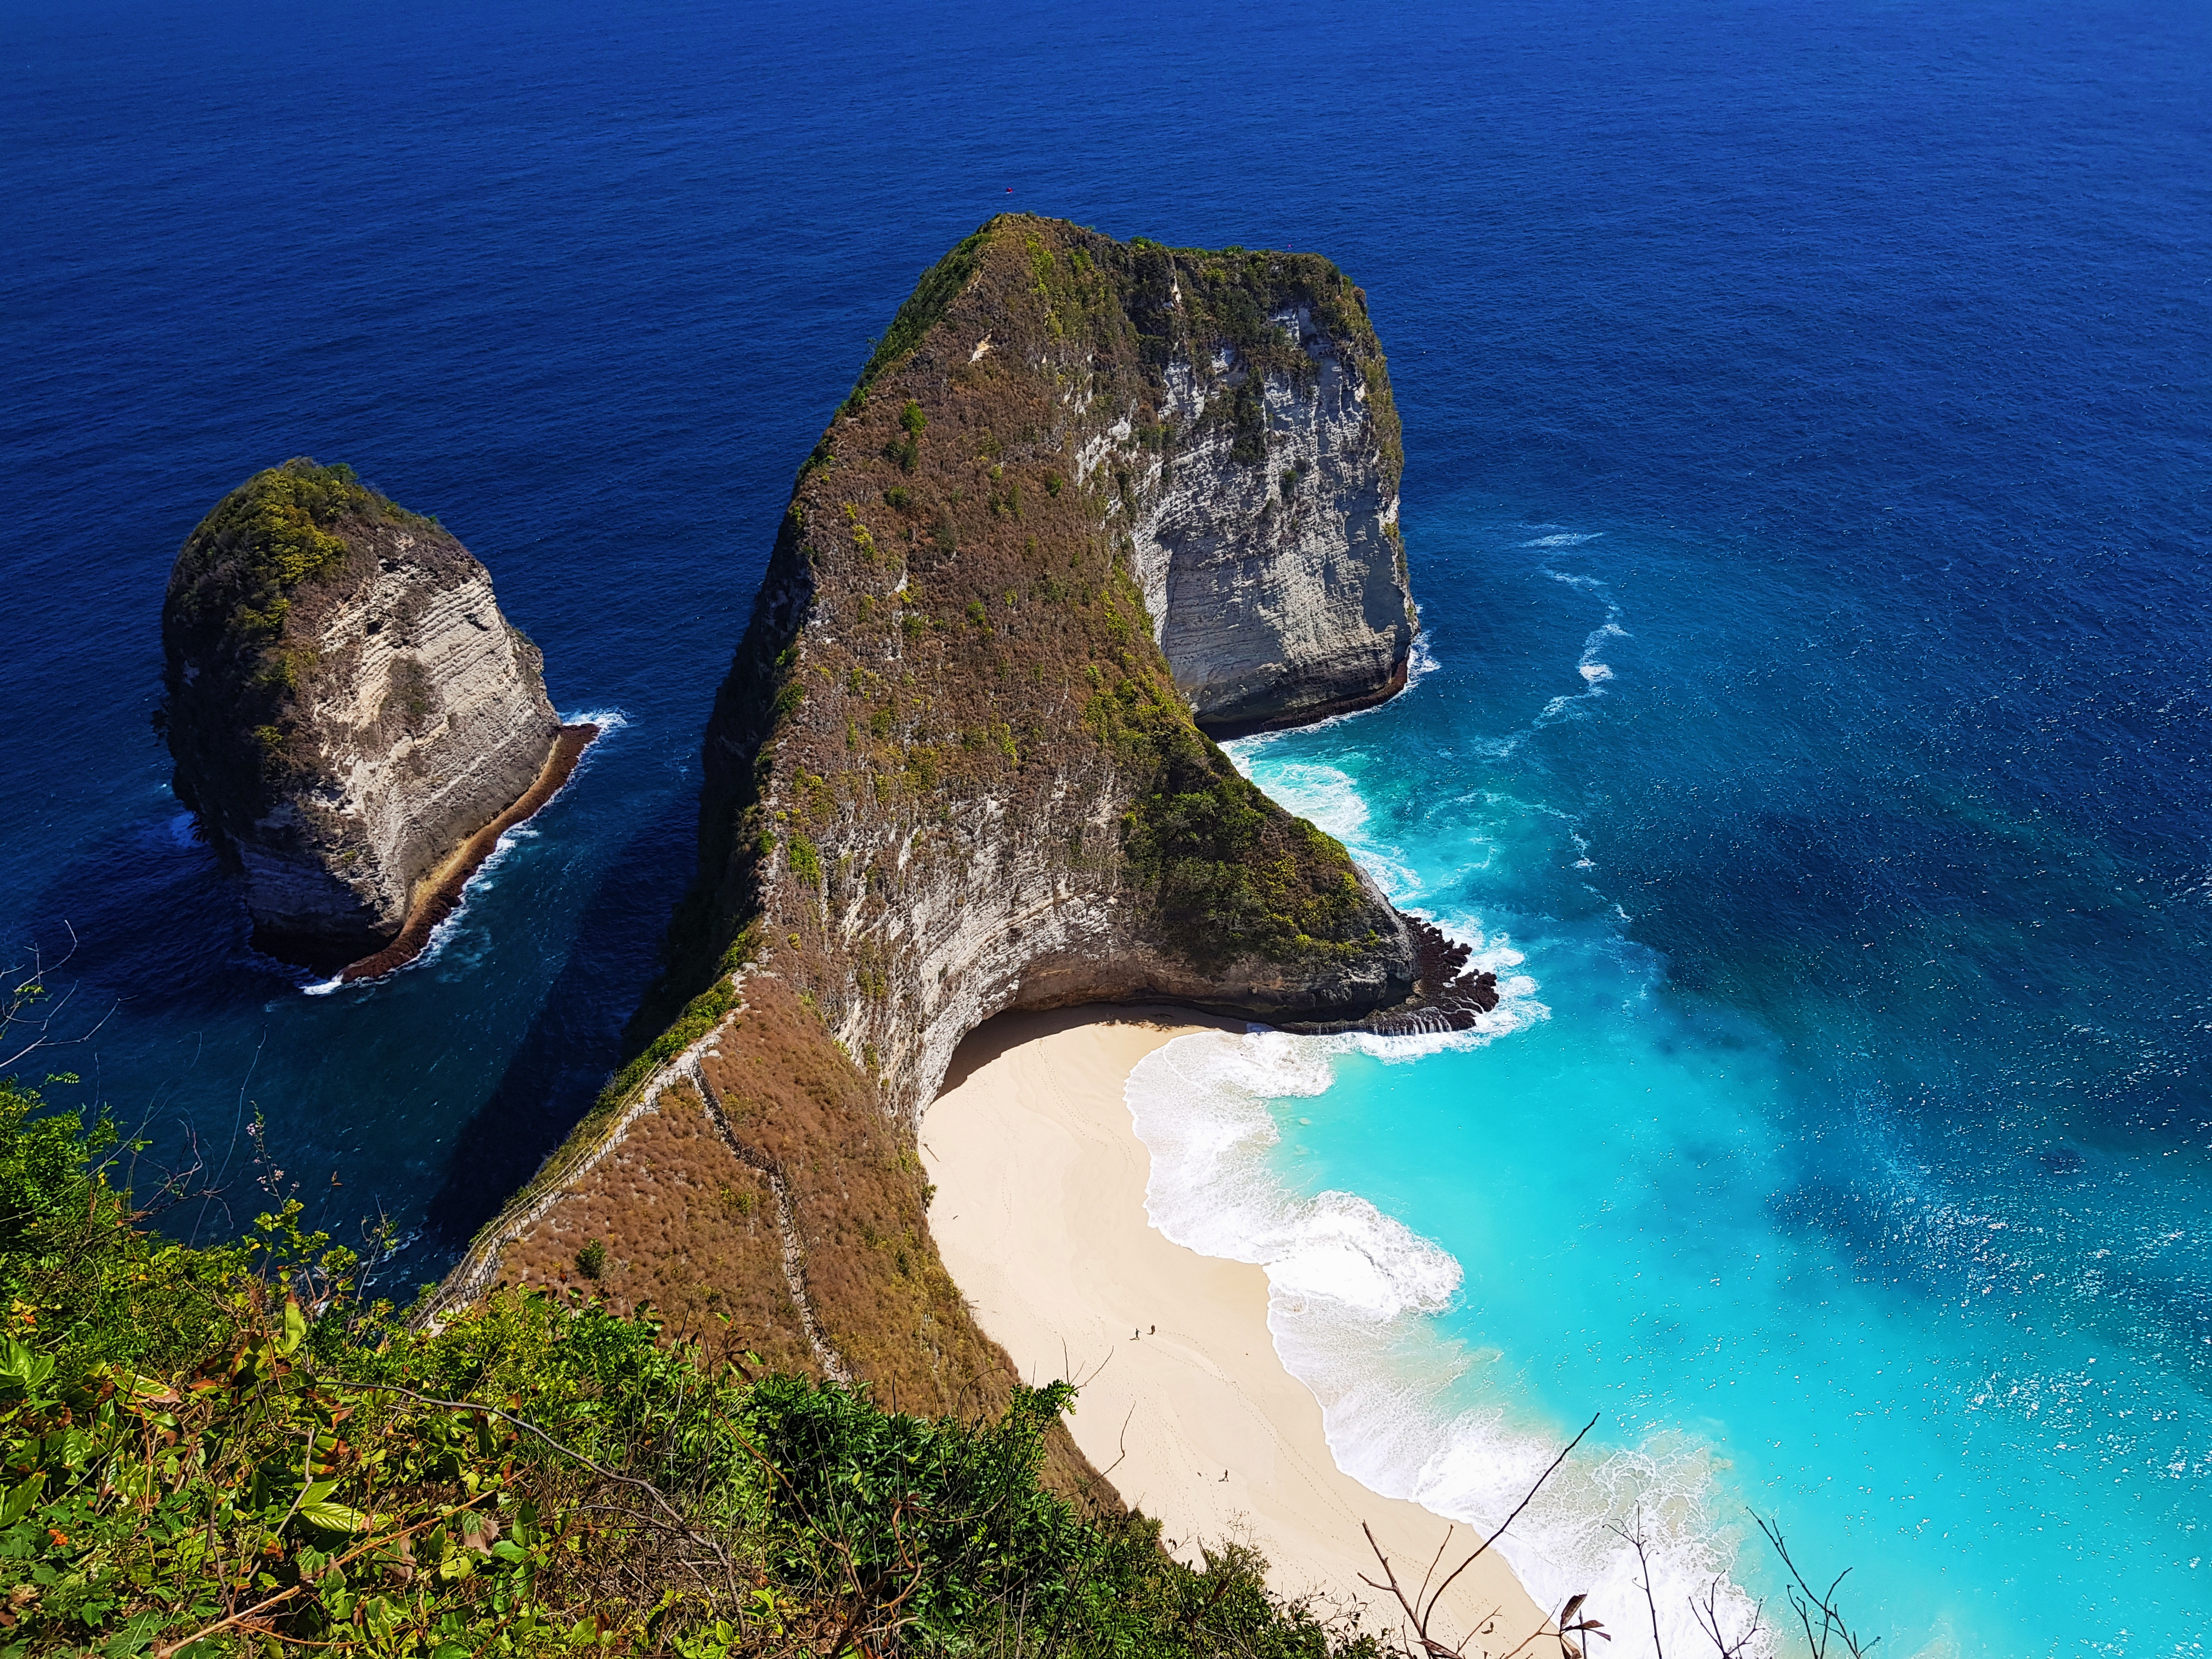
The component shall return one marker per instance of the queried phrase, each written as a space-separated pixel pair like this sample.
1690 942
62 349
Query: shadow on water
576 1039
147 921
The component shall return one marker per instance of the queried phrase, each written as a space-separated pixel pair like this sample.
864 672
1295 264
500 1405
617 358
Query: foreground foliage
229 1451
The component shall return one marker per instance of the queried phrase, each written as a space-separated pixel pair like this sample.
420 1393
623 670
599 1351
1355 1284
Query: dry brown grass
687 1228
688 1225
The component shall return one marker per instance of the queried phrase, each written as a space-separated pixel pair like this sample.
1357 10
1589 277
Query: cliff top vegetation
239 624
283 527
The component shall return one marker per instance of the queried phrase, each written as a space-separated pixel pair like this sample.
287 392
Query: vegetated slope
216 1452
346 705
951 773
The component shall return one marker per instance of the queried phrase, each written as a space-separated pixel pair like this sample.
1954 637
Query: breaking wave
1350 1293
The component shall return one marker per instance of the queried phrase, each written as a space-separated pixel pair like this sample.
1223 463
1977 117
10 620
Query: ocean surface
1806 442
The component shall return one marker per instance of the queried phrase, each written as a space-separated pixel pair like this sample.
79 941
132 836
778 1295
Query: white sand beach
1040 1215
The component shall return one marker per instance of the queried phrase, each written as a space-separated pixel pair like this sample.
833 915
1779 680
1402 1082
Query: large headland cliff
1088 503
353 720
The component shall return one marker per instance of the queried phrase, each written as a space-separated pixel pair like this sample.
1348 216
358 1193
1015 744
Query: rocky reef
1088 499
348 712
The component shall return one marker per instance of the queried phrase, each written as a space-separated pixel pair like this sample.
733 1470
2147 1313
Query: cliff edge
347 709
1087 499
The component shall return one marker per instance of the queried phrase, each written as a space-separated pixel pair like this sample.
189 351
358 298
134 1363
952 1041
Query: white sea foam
1353 1291
1350 1293
607 720
484 878
1591 665
1421 661
1323 793
1565 538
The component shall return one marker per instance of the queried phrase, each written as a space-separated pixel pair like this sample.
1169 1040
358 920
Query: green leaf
21 1499
134 1637
295 1327
23 1367
333 1517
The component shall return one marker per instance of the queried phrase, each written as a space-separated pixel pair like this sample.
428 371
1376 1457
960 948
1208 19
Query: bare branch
1806 1602
1421 1606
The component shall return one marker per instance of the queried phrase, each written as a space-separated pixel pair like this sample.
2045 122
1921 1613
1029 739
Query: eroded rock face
346 705
1268 549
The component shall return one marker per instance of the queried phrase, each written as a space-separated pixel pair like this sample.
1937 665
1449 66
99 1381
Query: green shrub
805 862
228 1451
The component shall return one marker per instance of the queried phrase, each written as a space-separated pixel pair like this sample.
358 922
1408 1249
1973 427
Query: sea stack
347 710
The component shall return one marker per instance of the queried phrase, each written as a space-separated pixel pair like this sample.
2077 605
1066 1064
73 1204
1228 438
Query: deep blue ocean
1806 491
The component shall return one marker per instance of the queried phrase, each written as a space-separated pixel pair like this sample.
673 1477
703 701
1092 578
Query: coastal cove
1041 1182
1805 733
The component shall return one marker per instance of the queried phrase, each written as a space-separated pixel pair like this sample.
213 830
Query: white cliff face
1275 577
419 717
431 719
989 913
1285 594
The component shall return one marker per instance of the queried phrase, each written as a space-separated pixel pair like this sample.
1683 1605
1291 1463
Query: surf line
439 895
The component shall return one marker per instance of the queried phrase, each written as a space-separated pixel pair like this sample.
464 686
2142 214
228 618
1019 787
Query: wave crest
1350 1288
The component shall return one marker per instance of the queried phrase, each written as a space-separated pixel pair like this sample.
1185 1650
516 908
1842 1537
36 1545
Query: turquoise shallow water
1831 1223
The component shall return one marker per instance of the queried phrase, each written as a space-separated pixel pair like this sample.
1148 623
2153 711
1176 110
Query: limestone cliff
952 772
1265 520
347 708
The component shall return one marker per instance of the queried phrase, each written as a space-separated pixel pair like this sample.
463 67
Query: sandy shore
1040 1216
